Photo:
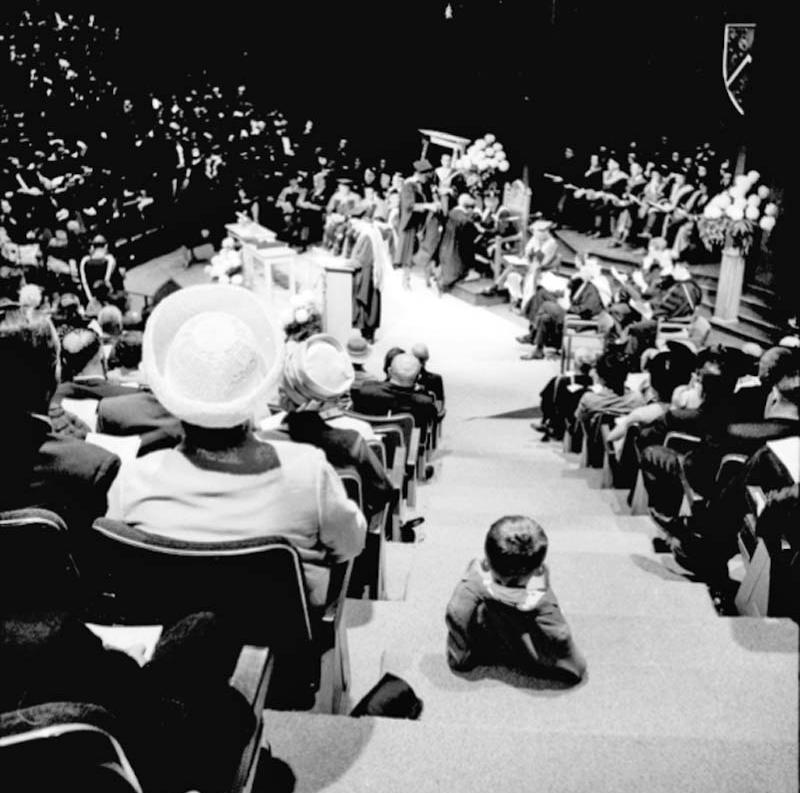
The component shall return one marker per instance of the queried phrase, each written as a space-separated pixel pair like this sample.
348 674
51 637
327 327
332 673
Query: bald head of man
405 369
421 352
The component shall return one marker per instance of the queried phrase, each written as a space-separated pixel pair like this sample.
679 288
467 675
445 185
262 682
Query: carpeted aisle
676 698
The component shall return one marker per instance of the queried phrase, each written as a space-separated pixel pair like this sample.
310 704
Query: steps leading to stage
340 755
470 292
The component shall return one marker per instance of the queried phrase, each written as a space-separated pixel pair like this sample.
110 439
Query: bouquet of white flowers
731 217
484 156
303 317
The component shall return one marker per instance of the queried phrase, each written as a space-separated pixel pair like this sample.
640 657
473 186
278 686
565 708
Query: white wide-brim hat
541 225
211 355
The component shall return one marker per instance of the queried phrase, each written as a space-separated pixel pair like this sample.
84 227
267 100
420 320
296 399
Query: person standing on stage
370 259
415 207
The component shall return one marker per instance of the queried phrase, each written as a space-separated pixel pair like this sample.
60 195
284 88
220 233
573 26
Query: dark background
538 73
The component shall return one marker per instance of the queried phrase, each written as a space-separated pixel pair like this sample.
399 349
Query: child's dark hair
515 546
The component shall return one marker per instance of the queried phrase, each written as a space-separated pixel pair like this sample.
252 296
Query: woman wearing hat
317 373
211 357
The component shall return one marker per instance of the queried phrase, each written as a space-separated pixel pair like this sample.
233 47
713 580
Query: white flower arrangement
730 217
485 155
303 315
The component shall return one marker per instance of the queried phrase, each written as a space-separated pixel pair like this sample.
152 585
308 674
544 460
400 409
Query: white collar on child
524 599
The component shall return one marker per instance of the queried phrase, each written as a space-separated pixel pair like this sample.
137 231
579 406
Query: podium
337 312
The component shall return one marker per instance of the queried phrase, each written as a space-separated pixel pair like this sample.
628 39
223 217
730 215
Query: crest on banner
737 57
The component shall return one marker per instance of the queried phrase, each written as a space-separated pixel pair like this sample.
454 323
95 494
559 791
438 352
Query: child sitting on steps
503 611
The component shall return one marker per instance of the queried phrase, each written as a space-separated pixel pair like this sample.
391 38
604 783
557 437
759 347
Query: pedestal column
338 304
729 289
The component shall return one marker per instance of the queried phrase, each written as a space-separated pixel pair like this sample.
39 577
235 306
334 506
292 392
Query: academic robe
366 295
457 250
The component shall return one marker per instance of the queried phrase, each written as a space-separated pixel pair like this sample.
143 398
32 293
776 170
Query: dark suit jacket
432 382
95 388
380 398
140 413
62 474
342 448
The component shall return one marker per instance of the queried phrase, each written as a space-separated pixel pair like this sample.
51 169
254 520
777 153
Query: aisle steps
620 698
367 755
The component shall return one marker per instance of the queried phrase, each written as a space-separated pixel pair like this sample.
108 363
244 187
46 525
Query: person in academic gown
371 259
457 251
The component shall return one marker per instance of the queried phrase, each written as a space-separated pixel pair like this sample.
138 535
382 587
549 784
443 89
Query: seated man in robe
541 253
587 294
676 296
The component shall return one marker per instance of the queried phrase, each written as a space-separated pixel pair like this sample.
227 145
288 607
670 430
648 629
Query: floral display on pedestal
731 218
485 157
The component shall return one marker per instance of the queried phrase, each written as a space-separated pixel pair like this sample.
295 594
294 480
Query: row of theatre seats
770 583
295 656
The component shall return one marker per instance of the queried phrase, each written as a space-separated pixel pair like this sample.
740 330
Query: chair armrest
673 437
337 591
413 447
252 674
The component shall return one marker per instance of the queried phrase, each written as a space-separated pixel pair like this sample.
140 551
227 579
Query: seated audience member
587 294
674 297
609 395
707 545
781 378
111 324
662 468
40 468
398 394
125 359
180 723
316 373
560 397
67 314
83 368
359 351
503 612
429 381
391 354
211 357
667 370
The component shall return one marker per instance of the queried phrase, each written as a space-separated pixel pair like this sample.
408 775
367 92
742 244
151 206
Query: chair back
681 442
36 566
258 584
352 485
64 746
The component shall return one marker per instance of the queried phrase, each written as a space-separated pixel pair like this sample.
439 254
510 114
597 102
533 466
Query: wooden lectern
337 315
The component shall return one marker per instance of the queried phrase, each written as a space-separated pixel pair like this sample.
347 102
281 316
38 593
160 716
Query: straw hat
358 349
211 355
318 369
